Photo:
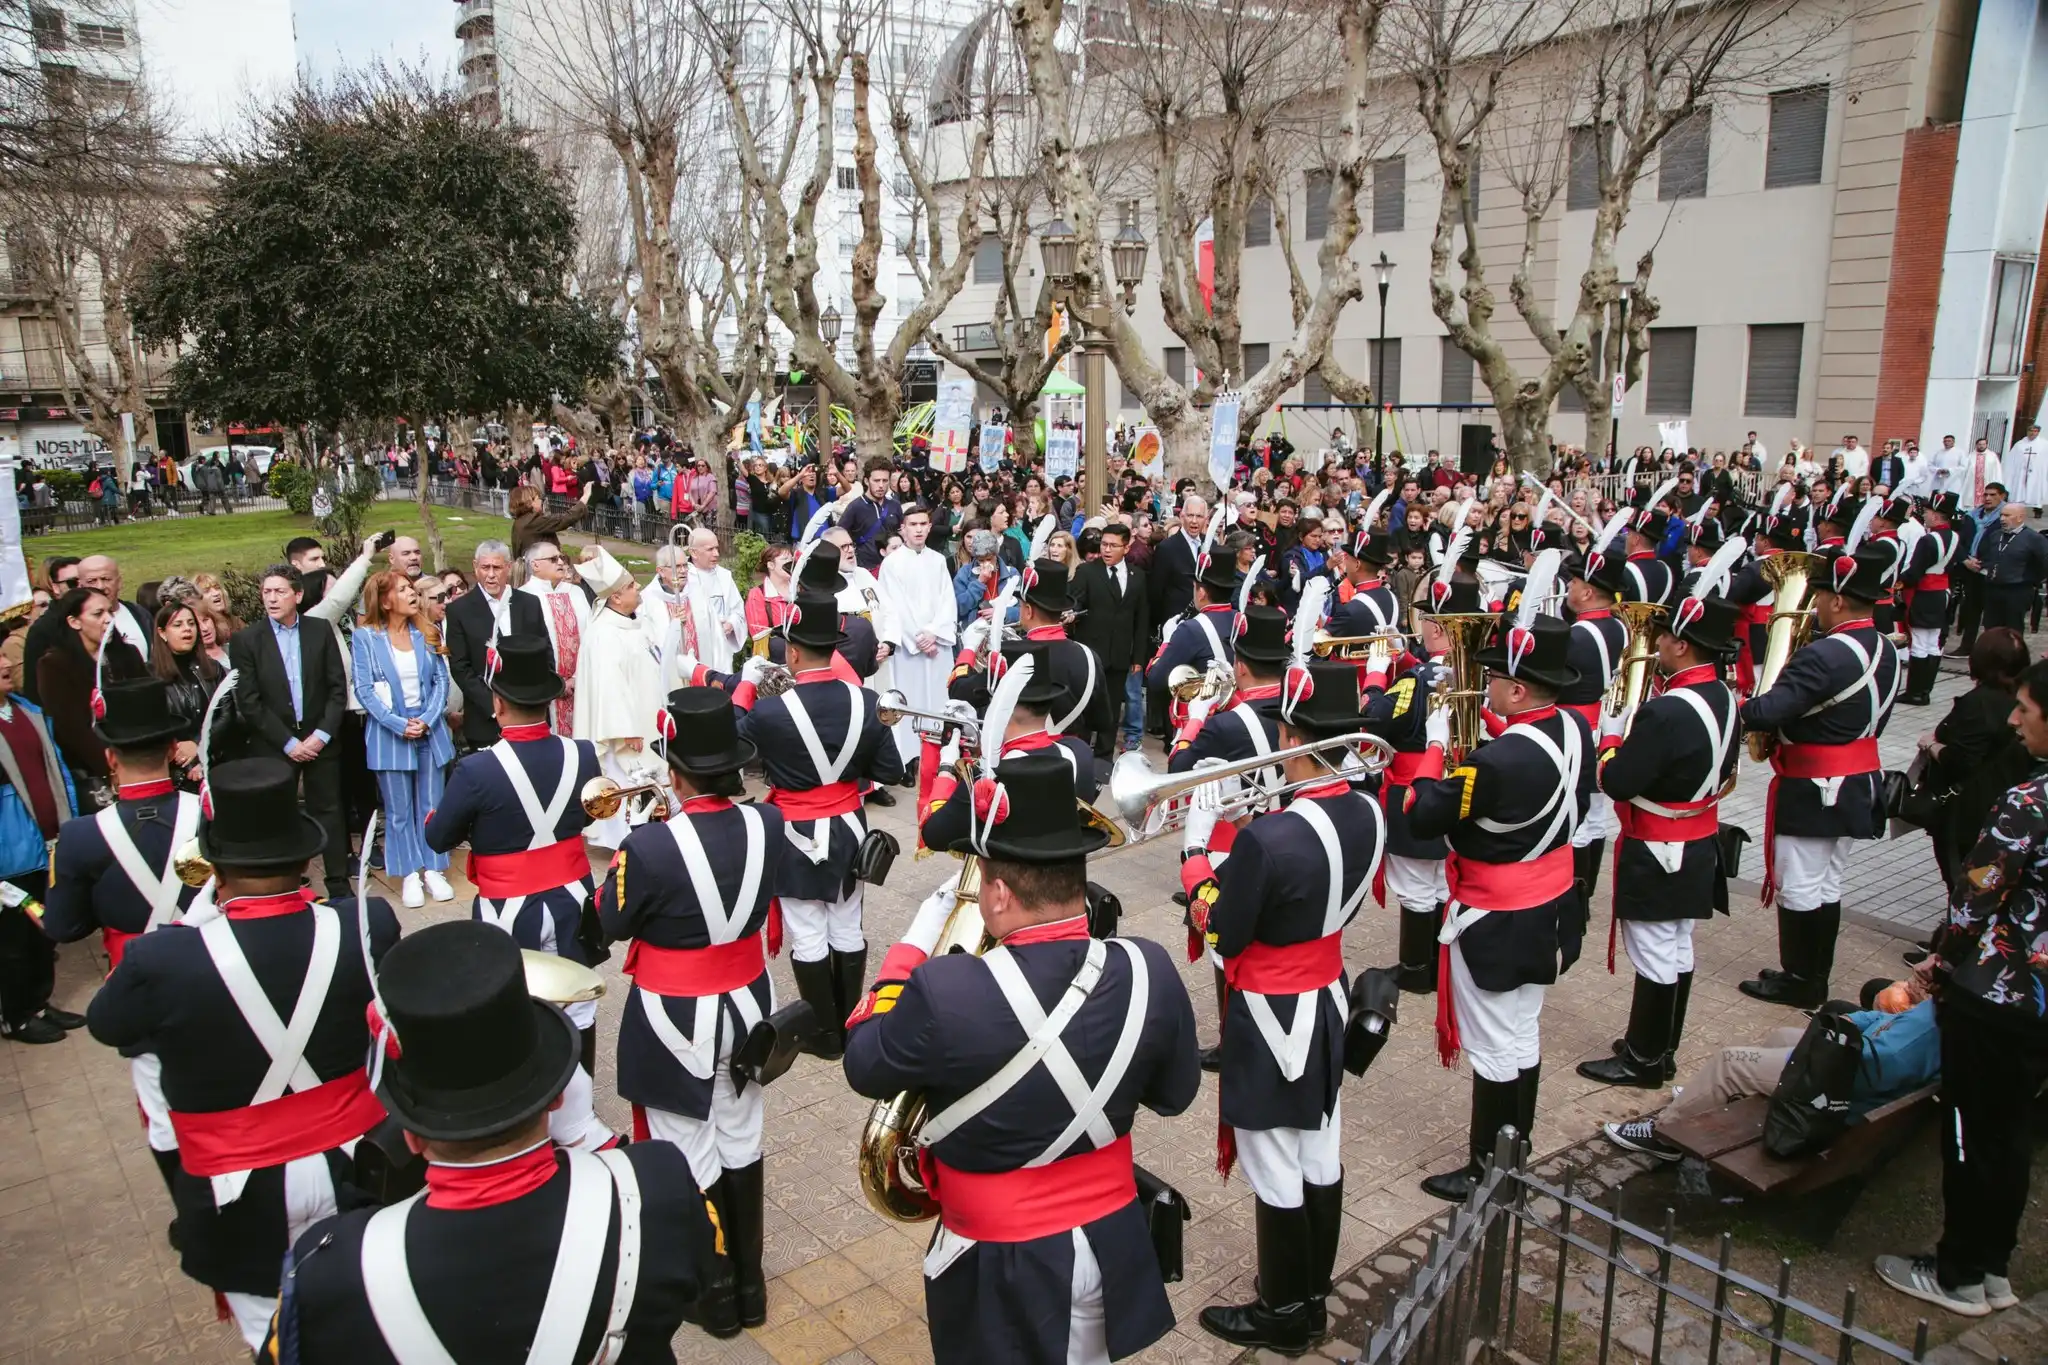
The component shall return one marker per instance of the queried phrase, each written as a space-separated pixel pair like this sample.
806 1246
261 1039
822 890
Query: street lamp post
828 332
1059 250
1383 268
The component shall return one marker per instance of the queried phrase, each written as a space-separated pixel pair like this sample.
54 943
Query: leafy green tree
375 252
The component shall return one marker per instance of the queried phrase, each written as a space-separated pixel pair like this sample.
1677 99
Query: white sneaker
411 893
437 886
1915 1275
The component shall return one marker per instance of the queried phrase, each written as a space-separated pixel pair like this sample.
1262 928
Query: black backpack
1810 1107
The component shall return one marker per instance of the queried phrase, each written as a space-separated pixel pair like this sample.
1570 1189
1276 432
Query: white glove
1200 707
930 920
1436 727
949 752
12 895
1379 659
1613 725
754 669
1201 823
975 636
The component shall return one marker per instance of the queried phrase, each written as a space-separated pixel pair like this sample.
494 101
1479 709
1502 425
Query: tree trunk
874 428
1523 431
1599 426
1186 445
422 477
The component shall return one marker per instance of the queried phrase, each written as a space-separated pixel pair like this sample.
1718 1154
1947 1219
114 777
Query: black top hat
1841 511
1262 635
701 735
1650 518
477 1055
138 715
1787 529
1044 690
1037 819
1536 654
1045 586
814 620
1707 535
1459 597
1218 573
820 571
1329 704
1895 510
1374 547
1709 624
1607 571
525 674
1947 504
249 827
1864 575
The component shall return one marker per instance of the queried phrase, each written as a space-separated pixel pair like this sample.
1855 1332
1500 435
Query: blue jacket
389 750
969 594
22 850
1901 1054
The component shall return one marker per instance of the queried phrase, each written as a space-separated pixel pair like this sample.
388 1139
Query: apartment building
1853 252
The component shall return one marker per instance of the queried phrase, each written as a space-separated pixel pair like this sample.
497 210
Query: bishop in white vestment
917 598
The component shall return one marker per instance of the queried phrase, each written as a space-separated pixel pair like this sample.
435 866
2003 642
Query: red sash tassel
116 942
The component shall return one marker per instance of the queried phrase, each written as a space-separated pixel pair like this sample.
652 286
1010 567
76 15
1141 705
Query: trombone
1355 648
603 798
1215 683
1142 794
892 706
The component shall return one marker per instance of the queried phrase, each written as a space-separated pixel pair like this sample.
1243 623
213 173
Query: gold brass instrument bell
1215 683
190 865
1632 677
1790 574
554 978
603 798
1467 634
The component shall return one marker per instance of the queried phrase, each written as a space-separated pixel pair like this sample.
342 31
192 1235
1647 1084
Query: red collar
1833 540
1031 743
1643 554
497 1182
824 674
1698 673
1263 692
267 907
1531 716
1597 614
1221 606
1046 633
519 734
1075 926
1370 584
142 791
1336 786
1860 623
704 805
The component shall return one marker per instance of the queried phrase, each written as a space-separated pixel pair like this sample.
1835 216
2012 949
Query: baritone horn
1632 678
603 798
1142 794
1790 574
1212 684
1465 634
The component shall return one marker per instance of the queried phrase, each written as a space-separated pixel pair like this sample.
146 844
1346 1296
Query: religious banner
1223 439
952 419
1062 453
1146 450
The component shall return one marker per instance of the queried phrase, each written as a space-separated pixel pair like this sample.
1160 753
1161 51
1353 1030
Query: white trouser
1660 952
1417 883
1087 1330
575 1123
308 1198
1809 870
1599 821
726 1140
148 1073
816 926
582 1013
1926 641
921 678
1499 1030
1277 1162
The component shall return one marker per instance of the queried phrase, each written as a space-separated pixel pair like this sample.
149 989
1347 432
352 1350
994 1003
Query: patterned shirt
1996 940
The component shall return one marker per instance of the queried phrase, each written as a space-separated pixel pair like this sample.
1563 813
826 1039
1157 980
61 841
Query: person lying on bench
1901 1054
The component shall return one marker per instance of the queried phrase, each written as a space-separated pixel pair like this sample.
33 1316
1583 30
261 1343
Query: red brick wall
1926 176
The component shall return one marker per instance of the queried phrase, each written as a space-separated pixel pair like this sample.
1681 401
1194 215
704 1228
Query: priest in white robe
862 597
619 694
666 617
917 596
2027 466
718 610
566 613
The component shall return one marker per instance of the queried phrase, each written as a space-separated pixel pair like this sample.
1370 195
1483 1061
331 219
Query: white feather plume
809 541
1251 578
1781 498
1861 527
999 614
1042 537
1628 478
1538 587
220 697
1616 524
1372 509
1001 703
1454 548
1910 532
1659 493
1714 575
1308 618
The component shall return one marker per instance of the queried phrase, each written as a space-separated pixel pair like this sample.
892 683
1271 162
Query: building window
988 259
1256 354
1258 222
1390 194
847 178
48 27
1316 211
1799 137
1774 355
2012 285
1457 373
1582 187
1314 388
103 37
1386 387
1177 364
1682 163
1671 357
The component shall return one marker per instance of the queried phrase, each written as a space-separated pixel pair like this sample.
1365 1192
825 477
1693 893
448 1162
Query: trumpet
1188 683
1141 793
892 706
1357 647
603 798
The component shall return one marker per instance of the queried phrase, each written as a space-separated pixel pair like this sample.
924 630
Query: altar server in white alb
2026 468
618 686
917 601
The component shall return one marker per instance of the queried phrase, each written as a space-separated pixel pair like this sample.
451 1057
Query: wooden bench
1730 1141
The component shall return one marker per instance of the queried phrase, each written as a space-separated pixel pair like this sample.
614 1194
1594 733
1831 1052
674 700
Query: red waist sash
531 871
1932 582
1811 761
819 803
116 942
696 971
1038 1201
1509 886
1700 820
285 1129
1288 968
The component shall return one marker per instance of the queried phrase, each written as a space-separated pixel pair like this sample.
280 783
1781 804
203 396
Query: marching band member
1599 639
114 872
515 1248
1295 878
267 1103
1835 517
618 686
1648 578
693 895
1827 709
1045 602
918 587
1894 515
1664 769
1372 608
819 741
1508 810
1203 637
818 571
1043 1253
1028 728
1924 577
526 854
1783 531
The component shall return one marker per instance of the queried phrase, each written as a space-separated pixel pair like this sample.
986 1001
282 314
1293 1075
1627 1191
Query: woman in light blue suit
401 678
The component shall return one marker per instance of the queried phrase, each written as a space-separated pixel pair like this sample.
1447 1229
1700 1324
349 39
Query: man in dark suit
1113 620
1172 580
492 606
1888 470
290 693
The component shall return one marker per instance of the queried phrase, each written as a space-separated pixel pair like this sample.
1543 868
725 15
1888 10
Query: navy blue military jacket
1677 752
1192 644
480 806
91 890
1372 608
1836 690
1598 640
850 746
945 817
1398 712
1648 579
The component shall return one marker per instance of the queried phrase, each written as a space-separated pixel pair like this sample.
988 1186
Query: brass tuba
1790 574
888 1141
1466 696
1632 676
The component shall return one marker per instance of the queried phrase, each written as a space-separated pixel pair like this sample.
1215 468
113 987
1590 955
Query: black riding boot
1212 1057
587 1043
1416 973
814 984
1325 1205
1640 1063
1279 1318
1803 982
1495 1104
849 984
717 1311
1827 927
1527 1083
1681 997
744 1222
1919 681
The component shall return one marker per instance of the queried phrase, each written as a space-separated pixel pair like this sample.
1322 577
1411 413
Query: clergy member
666 617
618 692
917 601
566 613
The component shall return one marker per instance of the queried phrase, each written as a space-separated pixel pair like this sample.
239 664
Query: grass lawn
250 540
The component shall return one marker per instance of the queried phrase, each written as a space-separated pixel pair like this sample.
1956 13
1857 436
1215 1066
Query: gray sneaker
1998 1292
1640 1135
1915 1275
